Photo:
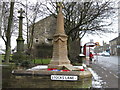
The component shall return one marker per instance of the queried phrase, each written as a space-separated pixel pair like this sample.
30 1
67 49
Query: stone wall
118 45
115 50
100 49
43 51
43 36
44 30
74 50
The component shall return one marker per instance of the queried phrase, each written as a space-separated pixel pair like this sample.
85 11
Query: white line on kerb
116 76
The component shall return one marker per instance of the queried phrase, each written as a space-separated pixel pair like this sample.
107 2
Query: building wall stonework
114 46
43 36
100 49
118 45
44 30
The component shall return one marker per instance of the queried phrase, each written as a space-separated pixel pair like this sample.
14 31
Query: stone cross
20 21
20 40
60 6
21 12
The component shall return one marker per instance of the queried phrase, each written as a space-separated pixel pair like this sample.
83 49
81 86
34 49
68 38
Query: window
36 40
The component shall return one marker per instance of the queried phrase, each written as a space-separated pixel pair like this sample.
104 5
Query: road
107 69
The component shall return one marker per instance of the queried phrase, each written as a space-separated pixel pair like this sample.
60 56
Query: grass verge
41 61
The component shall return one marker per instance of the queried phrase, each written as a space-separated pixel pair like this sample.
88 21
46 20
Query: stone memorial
60 67
60 59
19 55
20 40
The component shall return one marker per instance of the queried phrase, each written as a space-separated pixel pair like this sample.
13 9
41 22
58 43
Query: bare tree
8 33
1 14
36 11
84 18
4 25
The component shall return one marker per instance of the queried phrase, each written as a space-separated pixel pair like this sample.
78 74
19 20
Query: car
2 52
99 54
105 54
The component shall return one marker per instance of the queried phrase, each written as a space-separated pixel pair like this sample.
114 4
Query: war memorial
60 67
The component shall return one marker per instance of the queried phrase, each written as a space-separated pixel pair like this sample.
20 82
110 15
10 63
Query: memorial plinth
80 74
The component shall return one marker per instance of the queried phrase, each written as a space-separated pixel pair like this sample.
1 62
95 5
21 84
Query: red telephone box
86 50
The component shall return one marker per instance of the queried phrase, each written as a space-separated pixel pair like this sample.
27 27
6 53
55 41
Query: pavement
0 77
106 75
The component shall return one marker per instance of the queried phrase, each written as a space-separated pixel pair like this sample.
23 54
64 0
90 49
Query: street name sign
64 77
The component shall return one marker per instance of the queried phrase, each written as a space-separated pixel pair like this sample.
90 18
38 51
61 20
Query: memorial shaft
20 40
60 54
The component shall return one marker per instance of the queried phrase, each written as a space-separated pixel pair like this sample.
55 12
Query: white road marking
110 72
106 86
116 76
106 75
104 69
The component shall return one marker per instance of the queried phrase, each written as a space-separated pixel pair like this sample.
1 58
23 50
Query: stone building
44 30
115 46
106 47
100 49
118 45
43 35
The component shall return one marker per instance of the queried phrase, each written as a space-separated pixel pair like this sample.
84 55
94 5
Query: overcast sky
106 37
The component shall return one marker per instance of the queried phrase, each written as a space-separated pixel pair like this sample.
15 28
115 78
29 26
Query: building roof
51 15
114 39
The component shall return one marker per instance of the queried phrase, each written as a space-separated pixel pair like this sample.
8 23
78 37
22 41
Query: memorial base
45 72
